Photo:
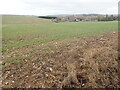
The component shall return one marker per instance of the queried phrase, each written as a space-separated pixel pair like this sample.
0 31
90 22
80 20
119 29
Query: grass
17 35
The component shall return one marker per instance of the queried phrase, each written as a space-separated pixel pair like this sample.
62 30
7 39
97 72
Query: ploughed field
42 54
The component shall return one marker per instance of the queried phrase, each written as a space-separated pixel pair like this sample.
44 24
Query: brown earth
82 62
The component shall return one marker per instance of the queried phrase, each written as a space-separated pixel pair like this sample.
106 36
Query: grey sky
51 7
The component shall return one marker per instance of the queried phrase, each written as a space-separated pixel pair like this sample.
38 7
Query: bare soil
80 62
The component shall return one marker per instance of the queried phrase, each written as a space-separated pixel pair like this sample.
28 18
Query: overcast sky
53 7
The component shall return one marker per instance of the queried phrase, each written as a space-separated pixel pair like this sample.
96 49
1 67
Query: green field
19 31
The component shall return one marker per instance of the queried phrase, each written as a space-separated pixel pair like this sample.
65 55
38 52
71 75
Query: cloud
49 7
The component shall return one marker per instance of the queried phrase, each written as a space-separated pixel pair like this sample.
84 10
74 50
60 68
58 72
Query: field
21 31
40 53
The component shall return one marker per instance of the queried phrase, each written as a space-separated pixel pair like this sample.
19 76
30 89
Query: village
77 18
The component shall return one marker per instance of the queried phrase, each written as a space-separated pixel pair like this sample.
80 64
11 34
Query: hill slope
15 19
